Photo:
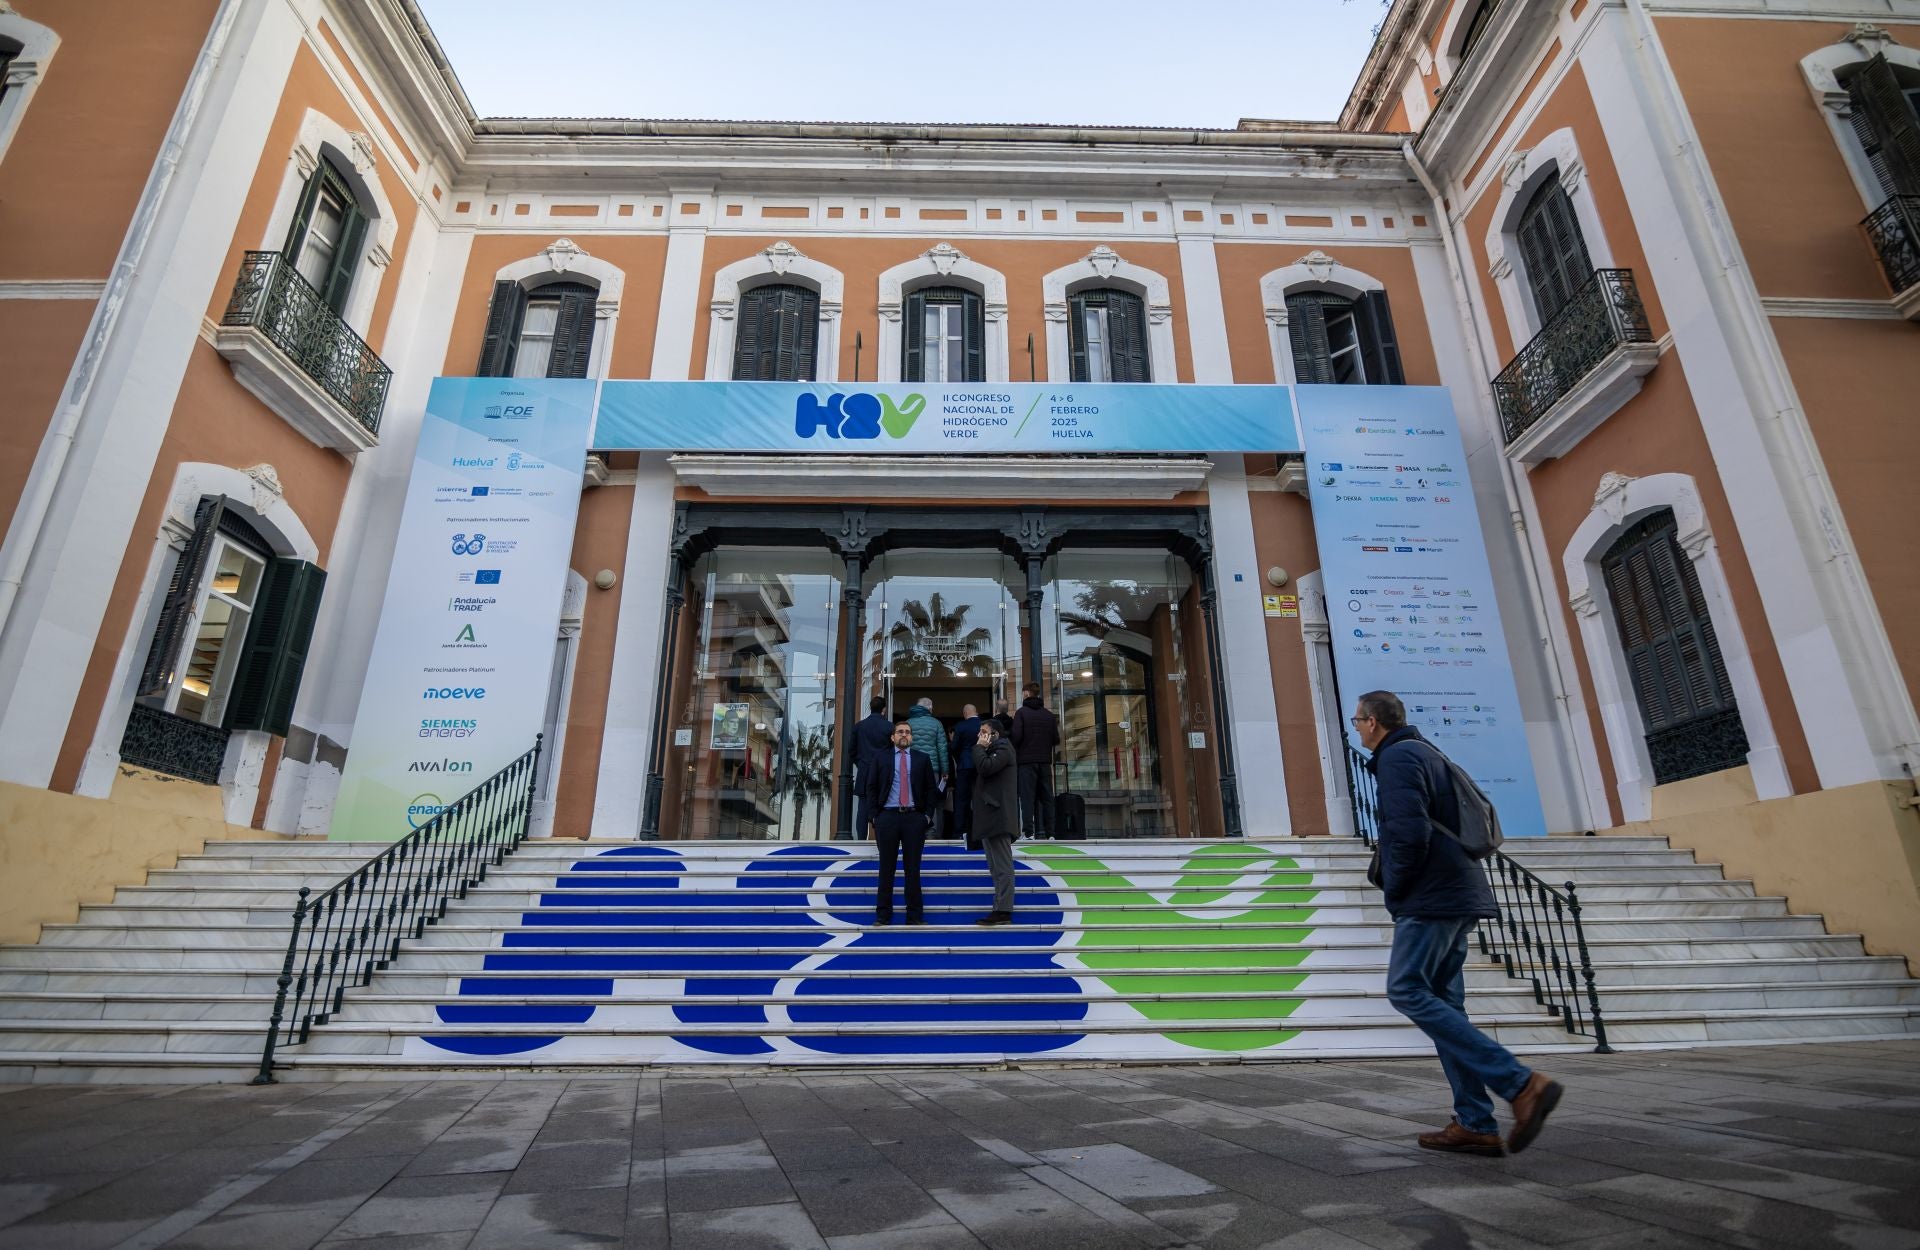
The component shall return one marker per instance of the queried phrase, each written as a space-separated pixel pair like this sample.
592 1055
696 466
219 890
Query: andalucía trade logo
861 416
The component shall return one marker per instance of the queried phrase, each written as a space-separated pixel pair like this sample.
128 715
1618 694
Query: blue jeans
1425 983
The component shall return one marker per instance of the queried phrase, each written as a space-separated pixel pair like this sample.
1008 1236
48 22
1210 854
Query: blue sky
1117 62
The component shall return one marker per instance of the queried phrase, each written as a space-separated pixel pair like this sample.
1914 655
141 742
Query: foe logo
861 416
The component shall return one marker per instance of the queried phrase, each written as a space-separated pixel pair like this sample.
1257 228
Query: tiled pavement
1804 1146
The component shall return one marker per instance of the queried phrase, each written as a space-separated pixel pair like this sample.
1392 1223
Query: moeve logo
455 692
464 546
861 416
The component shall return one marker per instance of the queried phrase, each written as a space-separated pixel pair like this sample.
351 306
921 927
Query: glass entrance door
945 626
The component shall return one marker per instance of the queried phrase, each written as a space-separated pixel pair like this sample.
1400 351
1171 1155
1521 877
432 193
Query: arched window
10 50
1343 340
1475 26
1552 250
944 336
1686 703
329 228
1107 335
1884 109
546 332
777 334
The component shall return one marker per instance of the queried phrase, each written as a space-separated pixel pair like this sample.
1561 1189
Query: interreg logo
861 416
464 546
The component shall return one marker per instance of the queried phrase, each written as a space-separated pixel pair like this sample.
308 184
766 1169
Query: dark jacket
920 776
1036 732
929 736
1423 872
1005 722
965 735
996 793
872 736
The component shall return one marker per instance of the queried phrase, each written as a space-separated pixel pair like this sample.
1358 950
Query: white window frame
27 71
563 261
1316 271
943 265
352 156
216 697
780 263
1556 156
1822 71
1103 267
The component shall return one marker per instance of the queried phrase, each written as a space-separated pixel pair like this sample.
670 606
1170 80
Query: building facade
1664 254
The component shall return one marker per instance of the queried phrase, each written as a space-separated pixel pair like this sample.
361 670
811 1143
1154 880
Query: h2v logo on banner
861 416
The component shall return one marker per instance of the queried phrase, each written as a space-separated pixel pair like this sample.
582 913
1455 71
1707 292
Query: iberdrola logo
856 416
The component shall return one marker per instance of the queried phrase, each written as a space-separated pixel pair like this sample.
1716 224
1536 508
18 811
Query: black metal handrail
271 296
1604 315
1894 231
1531 940
354 928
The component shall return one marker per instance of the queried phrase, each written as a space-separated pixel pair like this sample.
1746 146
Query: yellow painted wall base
58 851
1851 854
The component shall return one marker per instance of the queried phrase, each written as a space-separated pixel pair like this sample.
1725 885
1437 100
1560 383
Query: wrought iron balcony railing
173 745
1894 231
272 297
1604 315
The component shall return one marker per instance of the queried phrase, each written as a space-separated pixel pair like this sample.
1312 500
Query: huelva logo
860 416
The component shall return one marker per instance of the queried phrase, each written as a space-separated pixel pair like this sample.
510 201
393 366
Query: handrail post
265 1075
1586 971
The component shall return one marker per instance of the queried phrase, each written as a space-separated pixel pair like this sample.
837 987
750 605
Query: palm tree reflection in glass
931 641
811 777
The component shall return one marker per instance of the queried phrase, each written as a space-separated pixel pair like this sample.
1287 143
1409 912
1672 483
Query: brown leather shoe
1531 1107
1457 1140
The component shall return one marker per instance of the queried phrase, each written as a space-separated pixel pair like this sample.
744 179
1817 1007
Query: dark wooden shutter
573 330
1307 333
1379 350
176 610
913 339
1885 123
1679 679
302 214
777 334
1552 249
1077 337
504 315
346 259
267 680
1127 337
973 335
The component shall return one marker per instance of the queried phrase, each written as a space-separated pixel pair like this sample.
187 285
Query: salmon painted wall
1283 535
641 258
92 130
599 542
1858 381
309 86
1775 159
39 339
214 420
1242 265
1024 262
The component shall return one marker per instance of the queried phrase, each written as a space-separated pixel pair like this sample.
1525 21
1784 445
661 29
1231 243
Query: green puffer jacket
930 736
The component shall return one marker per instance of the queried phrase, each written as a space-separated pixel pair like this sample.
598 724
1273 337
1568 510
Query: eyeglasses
1357 721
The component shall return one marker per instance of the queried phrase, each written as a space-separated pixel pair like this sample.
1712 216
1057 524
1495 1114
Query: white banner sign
457 684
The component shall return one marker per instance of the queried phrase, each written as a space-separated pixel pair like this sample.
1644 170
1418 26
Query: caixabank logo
859 416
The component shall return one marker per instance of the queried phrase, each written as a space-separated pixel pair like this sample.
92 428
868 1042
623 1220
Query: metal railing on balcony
1894 231
173 745
1604 315
355 927
271 296
1538 938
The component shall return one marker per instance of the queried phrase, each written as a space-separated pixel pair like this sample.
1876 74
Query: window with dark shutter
1552 250
543 333
270 667
1476 27
176 609
943 336
1343 341
10 49
777 331
1107 337
1679 680
324 241
1886 119
503 330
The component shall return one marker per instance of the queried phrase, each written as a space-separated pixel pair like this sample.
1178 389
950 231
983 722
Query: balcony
1578 371
296 354
1894 231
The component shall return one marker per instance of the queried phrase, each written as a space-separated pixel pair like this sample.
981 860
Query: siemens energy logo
861 416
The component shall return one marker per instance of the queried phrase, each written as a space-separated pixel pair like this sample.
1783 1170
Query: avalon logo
441 766
861 416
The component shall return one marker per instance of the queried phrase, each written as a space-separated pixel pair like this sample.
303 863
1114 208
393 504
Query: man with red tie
901 793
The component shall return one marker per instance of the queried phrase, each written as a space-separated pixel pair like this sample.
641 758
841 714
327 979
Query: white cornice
942 477
1850 309
73 288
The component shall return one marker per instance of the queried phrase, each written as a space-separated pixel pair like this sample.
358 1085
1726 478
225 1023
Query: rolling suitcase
1069 817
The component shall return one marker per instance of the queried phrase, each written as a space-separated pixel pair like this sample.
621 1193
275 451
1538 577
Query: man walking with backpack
1436 894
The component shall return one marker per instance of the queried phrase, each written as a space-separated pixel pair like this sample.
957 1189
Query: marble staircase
585 955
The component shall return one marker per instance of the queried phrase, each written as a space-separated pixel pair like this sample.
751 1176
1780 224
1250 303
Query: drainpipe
1509 481
43 480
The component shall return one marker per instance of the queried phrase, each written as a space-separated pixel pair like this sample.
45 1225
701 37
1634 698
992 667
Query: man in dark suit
871 738
902 793
965 737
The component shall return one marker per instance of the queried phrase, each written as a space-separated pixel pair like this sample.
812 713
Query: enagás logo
861 416
424 808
